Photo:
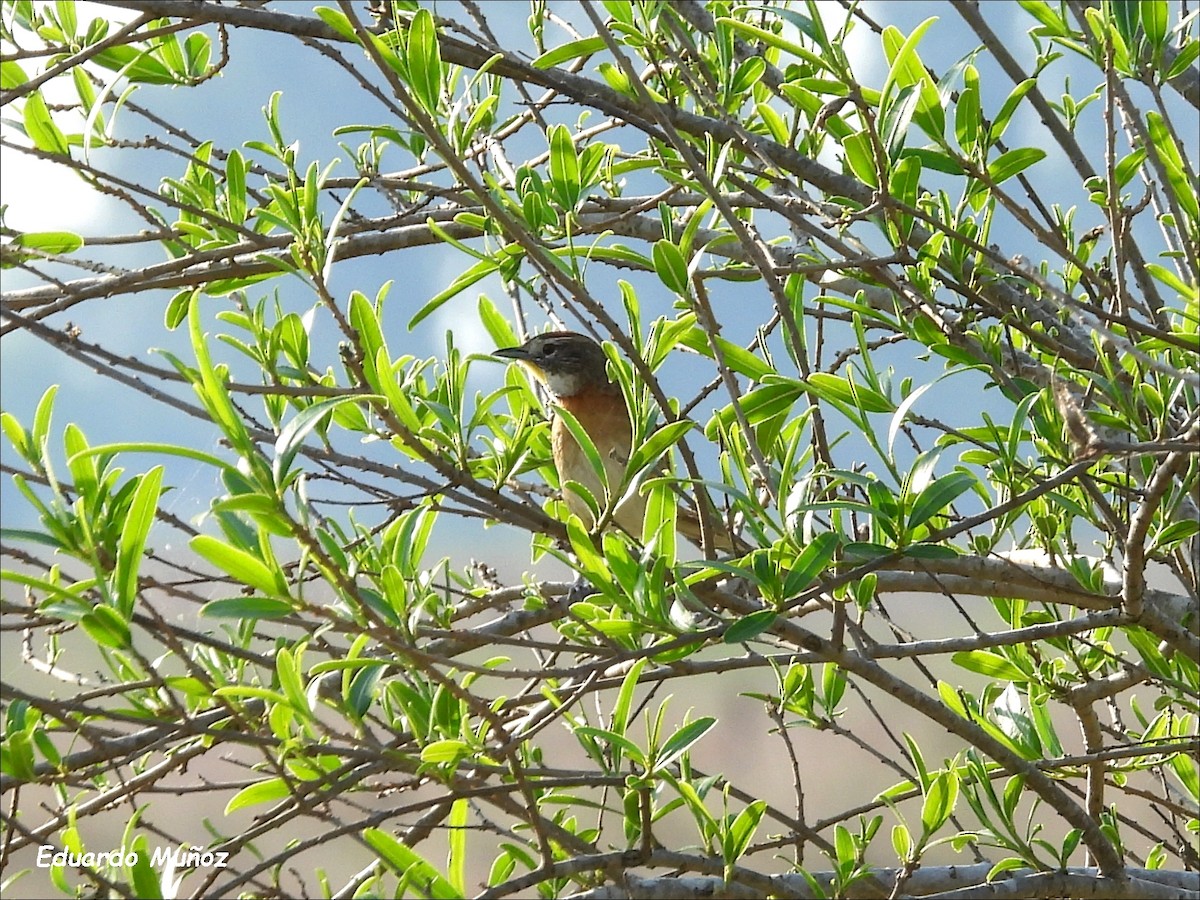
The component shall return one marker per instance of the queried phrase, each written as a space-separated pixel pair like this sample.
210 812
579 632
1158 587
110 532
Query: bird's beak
521 355
518 353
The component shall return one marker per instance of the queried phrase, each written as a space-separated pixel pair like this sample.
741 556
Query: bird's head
565 361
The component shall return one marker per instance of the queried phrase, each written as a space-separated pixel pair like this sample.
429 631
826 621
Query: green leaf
682 740
105 626
742 831
933 159
424 61
239 564
141 874
860 158
11 75
939 802
775 125
902 411
445 751
749 627
659 442
967 119
1129 166
628 747
362 688
1014 723
1184 61
930 551
477 272
498 328
405 861
811 562
456 863
1000 123
1189 776
770 39
45 243
624 703
564 168
134 532
1178 175
1006 165
267 791
834 387
737 358
246 608
671 267
291 436
40 127
905 185
938 495
568 51
985 662
150 447
906 66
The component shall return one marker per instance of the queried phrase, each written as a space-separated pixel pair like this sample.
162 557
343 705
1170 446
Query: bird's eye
549 349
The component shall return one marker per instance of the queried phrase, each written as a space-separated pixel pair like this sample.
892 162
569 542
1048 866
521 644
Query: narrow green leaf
811 562
569 51
749 627
246 608
624 702
742 830
938 495
659 442
1000 123
267 791
105 626
1178 175
671 267
1184 61
682 740
985 662
737 358
628 747
456 862
134 532
1006 165
588 446
291 436
902 411
444 751
40 128
498 327
425 61
240 565
150 447
967 119
834 387
564 167
860 158
362 688
477 272
905 186
51 243
141 874
407 862
770 39
939 802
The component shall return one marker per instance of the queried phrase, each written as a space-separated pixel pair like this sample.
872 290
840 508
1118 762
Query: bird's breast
603 416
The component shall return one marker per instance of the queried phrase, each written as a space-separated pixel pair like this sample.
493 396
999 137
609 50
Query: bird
573 368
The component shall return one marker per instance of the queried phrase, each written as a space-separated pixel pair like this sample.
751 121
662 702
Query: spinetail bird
572 366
